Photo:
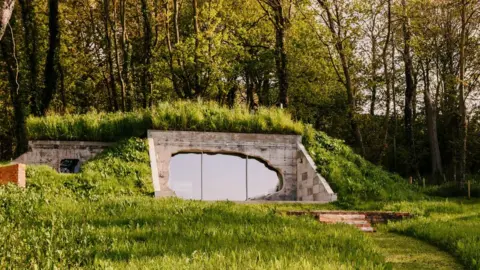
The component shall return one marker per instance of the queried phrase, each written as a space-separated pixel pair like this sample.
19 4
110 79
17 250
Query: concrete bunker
222 176
285 153
63 156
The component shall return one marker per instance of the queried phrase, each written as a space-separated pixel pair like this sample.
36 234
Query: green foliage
453 226
33 237
182 115
453 190
354 179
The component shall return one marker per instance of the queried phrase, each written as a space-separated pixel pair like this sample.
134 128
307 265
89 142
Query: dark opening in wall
70 166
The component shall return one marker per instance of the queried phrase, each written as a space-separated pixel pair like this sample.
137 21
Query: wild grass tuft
181 115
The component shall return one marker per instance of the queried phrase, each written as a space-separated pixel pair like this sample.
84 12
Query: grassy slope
101 218
451 225
355 179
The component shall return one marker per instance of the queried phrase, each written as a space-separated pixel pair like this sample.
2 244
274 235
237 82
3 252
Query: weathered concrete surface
52 152
14 174
311 186
279 152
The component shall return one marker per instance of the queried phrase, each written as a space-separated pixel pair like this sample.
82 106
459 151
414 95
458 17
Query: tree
409 89
335 21
8 49
277 12
52 63
31 48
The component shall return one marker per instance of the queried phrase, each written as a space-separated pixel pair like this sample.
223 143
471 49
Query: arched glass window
220 177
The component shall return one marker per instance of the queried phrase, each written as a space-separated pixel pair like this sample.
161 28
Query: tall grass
181 115
355 179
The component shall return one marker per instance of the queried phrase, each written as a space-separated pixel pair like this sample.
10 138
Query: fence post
468 189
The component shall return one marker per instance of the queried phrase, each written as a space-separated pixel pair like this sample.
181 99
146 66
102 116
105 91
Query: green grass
182 115
408 253
356 180
42 230
451 225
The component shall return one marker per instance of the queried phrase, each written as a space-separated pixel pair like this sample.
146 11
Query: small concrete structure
53 152
283 153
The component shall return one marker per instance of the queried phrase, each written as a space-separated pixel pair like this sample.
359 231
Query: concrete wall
52 152
14 174
311 186
278 151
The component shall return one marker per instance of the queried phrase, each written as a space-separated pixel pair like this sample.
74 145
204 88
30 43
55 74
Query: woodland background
396 79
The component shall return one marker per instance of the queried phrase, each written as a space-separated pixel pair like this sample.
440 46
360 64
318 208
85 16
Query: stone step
367 229
342 216
362 220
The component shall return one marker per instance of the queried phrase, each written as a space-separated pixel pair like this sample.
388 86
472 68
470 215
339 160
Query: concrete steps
357 220
364 221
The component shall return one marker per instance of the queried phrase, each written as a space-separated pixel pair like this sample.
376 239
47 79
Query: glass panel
185 175
224 178
261 179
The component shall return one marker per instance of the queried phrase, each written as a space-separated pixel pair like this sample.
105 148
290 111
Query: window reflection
225 177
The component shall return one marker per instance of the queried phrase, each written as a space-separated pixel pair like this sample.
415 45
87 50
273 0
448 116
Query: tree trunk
18 98
387 82
117 57
31 47
462 107
196 80
431 115
146 80
374 76
281 54
171 60
409 92
51 66
126 54
108 51
6 10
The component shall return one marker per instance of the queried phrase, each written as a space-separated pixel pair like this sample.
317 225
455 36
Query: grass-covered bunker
267 135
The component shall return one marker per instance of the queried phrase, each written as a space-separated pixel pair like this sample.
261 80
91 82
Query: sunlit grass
181 115
451 225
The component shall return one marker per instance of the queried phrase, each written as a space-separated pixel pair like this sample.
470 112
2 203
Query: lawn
453 225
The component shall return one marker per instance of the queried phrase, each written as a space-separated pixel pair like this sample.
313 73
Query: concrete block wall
311 186
278 151
52 152
284 153
14 174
